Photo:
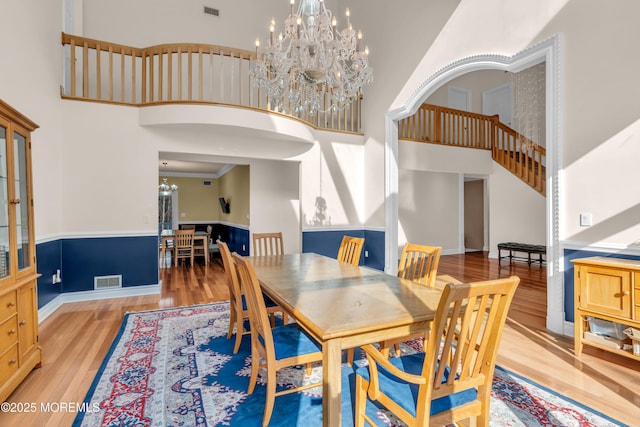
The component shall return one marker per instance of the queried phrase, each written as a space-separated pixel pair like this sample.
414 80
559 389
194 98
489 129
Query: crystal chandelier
165 189
312 67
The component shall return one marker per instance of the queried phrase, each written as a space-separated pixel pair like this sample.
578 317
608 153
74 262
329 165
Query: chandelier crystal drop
312 66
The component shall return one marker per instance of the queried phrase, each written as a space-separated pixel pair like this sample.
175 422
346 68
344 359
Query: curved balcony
182 84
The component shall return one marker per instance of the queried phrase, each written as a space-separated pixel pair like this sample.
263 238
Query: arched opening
548 52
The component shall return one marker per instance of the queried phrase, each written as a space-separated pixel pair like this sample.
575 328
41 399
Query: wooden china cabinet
19 348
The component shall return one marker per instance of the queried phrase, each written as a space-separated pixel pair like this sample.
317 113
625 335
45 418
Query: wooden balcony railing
447 126
100 71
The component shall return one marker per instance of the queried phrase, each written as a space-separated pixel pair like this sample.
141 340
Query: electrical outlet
366 254
244 247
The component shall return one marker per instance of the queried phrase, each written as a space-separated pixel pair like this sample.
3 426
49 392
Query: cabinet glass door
4 206
22 201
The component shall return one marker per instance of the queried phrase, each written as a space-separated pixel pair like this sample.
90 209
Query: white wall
514 218
429 209
398 34
31 74
275 201
334 171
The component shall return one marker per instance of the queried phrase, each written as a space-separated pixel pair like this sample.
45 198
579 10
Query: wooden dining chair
350 250
238 311
418 263
265 244
213 247
199 249
237 305
268 244
451 380
183 245
273 348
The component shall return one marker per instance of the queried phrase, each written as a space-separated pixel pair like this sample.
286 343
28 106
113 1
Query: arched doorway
547 51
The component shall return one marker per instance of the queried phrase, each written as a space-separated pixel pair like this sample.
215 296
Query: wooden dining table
169 235
343 306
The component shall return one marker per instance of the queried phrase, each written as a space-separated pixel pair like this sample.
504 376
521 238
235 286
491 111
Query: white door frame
547 51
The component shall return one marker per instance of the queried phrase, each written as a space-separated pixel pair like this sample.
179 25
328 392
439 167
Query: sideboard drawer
8 305
8 363
8 333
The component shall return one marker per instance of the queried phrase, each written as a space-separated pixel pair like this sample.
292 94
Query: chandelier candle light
312 67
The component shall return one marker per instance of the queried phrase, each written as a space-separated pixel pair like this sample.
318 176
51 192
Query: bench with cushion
515 248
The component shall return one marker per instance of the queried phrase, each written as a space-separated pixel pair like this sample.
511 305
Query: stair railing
100 71
448 126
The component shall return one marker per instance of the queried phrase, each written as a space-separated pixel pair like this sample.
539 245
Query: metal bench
515 248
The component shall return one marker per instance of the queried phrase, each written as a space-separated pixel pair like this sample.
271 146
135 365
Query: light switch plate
585 219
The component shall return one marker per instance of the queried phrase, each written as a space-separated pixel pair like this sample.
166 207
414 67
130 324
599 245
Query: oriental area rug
176 367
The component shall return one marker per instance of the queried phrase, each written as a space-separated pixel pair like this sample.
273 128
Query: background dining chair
199 249
350 250
214 252
183 241
418 263
267 244
166 246
188 227
272 348
451 380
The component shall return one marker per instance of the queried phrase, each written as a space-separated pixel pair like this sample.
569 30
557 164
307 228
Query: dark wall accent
135 258
570 254
236 238
48 261
327 243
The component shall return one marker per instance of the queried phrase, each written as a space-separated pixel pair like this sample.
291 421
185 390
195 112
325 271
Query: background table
168 235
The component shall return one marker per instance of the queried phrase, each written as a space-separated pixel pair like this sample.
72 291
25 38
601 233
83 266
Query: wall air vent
211 11
107 282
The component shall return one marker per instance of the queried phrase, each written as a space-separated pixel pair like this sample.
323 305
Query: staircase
447 126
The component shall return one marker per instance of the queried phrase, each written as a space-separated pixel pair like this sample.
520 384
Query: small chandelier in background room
312 66
165 189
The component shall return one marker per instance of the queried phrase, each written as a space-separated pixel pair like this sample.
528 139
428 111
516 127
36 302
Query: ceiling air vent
211 11
107 282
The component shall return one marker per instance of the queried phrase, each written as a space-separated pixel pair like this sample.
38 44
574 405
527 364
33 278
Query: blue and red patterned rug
176 367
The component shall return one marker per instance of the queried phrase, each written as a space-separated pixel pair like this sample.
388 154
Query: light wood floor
76 338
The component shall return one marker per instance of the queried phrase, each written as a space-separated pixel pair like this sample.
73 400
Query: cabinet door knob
11 304
22 322
13 362
15 201
625 293
12 331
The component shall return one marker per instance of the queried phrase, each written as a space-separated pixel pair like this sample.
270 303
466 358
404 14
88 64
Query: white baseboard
48 309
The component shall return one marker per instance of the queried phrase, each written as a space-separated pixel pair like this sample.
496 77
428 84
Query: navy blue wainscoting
327 242
238 240
570 254
48 261
135 258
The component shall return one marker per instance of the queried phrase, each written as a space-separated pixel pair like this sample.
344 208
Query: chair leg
232 320
361 400
255 368
239 334
270 396
350 356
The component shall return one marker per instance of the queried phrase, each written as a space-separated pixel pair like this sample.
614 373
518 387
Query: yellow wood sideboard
606 289
19 349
